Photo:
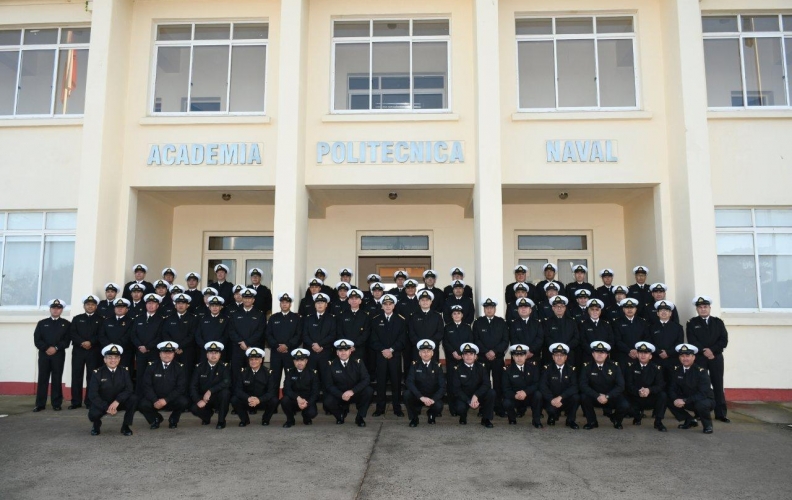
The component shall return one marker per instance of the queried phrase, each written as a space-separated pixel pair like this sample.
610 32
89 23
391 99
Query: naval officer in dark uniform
426 384
110 390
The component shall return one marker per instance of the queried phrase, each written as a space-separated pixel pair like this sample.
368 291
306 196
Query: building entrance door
385 266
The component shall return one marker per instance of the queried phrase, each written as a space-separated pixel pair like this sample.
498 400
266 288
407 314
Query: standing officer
426 384
578 312
236 304
137 306
86 357
318 332
458 274
549 271
561 329
169 275
640 290
224 288
455 334
139 270
710 337
110 390
346 382
605 292
211 386
614 312
650 311
146 333
399 277
559 387
690 389
491 335
195 293
471 387
388 338
544 307
164 388
213 327
105 307
116 330
283 336
526 329
665 335
520 277
645 386
353 324
593 327
629 330
263 297
370 280
180 328
51 338
246 330
340 303
255 389
161 290
580 271
602 386
457 298
520 292
372 305
300 389
521 387
320 275
307 304
426 323
430 278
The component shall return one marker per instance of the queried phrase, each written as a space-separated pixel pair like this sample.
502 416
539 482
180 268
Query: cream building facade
611 133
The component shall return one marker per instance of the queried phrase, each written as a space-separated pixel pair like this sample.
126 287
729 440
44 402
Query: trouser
415 405
279 361
494 369
96 412
141 363
84 362
513 406
569 404
362 401
188 359
701 409
50 367
370 359
617 404
451 363
656 401
317 360
388 368
218 401
175 406
242 407
290 408
128 360
406 358
461 403
715 368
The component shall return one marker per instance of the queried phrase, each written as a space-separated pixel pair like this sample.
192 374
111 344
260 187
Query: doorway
241 252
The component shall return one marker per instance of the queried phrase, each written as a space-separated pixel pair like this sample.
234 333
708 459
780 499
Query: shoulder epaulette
585 364
243 369
402 317
330 362
270 372
616 363
225 364
659 367
358 360
701 369
505 367
545 366
574 368
151 362
96 371
413 362
181 364
315 371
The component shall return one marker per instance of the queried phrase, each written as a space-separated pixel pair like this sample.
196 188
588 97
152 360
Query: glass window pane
395 82
724 81
430 70
173 78
429 101
212 31
394 243
41 37
733 218
209 79
392 59
248 72
351 61
551 242
787 23
719 24
774 244
536 68
535 269
735 244
614 25
25 220
616 73
20 271
251 31
574 25
788 47
391 28
230 275
240 242
577 85
565 274
56 280
774 218
72 73
737 276
351 28
430 28
764 72
775 273
534 26
266 270
35 82
10 37
9 63
174 32
61 220
2 220
760 23
75 35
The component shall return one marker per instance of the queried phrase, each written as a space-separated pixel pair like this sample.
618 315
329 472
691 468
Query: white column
291 197
487 195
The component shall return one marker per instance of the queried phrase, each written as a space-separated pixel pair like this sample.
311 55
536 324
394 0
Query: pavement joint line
368 461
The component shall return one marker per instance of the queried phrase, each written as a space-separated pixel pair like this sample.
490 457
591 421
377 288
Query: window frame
57 47
371 39
553 256
41 236
740 35
402 253
240 255
192 43
754 231
596 37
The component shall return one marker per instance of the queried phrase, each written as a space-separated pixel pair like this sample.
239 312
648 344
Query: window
43 71
391 65
217 68
746 58
755 258
36 257
576 63
394 243
241 252
564 250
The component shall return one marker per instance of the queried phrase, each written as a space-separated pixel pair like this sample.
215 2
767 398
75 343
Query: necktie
166 365
427 366
560 372
343 363
521 368
600 368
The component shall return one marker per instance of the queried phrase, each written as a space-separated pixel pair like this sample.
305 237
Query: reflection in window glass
56 280
577 83
617 73
209 86
72 75
764 72
240 242
722 64
20 271
173 77
35 82
737 276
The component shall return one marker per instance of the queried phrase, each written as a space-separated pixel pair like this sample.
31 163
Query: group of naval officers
162 348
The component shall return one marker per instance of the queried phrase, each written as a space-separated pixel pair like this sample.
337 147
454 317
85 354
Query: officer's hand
113 408
179 351
160 403
387 354
243 345
302 403
316 347
474 402
456 356
643 392
633 354
602 399
50 351
201 403
207 395
529 355
708 353
86 345
490 355
254 401
282 348
679 403
347 395
663 354
556 402
426 401
520 395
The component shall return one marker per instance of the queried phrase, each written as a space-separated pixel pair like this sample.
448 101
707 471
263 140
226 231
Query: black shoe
463 419
398 413
486 423
431 419
339 421
637 421
95 431
414 422
38 409
512 421
617 424
73 407
687 424
265 422
307 421
289 423
538 425
378 413
551 421
220 425
125 430
243 424
172 424
660 427
590 425
725 420
573 425
360 422
56 408
707 430
155 425
205 422
453 413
